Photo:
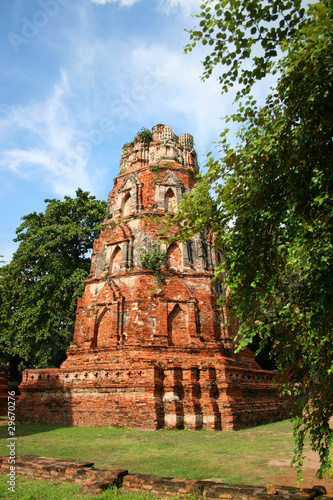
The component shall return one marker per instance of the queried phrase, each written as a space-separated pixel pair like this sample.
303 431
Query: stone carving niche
129 197
168 192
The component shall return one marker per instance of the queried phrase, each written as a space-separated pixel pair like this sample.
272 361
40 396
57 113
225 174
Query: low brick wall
51 469
168 486
96 480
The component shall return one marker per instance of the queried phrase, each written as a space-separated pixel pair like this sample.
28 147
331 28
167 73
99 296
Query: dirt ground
288 478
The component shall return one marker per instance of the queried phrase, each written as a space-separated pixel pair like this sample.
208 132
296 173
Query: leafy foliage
272 207
153 259
238 30
39 287
155 169
145 135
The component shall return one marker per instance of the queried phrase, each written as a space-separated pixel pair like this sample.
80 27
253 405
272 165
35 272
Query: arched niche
174 257
108 316
169 191
115 259
126 205
177 327
170 201
129 196
106 330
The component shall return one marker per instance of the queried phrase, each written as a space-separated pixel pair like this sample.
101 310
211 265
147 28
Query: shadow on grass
25 430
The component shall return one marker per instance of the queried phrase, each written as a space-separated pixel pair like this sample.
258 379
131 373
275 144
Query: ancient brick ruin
151 352
93 481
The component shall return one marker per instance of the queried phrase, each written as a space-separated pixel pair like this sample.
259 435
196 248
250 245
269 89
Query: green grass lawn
42 490
236 457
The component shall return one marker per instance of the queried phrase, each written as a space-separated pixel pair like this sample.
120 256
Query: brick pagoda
148 352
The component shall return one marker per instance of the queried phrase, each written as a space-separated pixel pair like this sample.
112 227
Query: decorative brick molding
97 480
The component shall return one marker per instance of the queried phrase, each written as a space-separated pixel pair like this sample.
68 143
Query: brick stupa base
190 390
152 351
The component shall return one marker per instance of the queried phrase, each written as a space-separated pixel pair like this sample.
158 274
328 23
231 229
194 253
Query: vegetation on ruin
145 135
153 260
40 286
156 169
127 147
271 211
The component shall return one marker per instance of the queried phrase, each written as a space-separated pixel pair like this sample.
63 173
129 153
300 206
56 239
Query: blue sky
79 78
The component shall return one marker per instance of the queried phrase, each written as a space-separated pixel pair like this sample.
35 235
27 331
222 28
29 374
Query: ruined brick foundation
94 481
152 351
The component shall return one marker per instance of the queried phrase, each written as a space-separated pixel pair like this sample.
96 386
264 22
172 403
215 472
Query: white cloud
54 150
178 92
166 6
122 3
109 86
187 6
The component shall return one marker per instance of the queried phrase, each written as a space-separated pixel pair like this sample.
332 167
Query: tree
268 199
39 287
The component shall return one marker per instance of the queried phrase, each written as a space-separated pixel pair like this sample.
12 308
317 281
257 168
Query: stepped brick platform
152 351
97 480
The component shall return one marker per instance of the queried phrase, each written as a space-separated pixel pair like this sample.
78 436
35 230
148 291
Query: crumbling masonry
147 352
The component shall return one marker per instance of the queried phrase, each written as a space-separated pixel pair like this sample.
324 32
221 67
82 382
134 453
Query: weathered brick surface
52 469
96 480
148 352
